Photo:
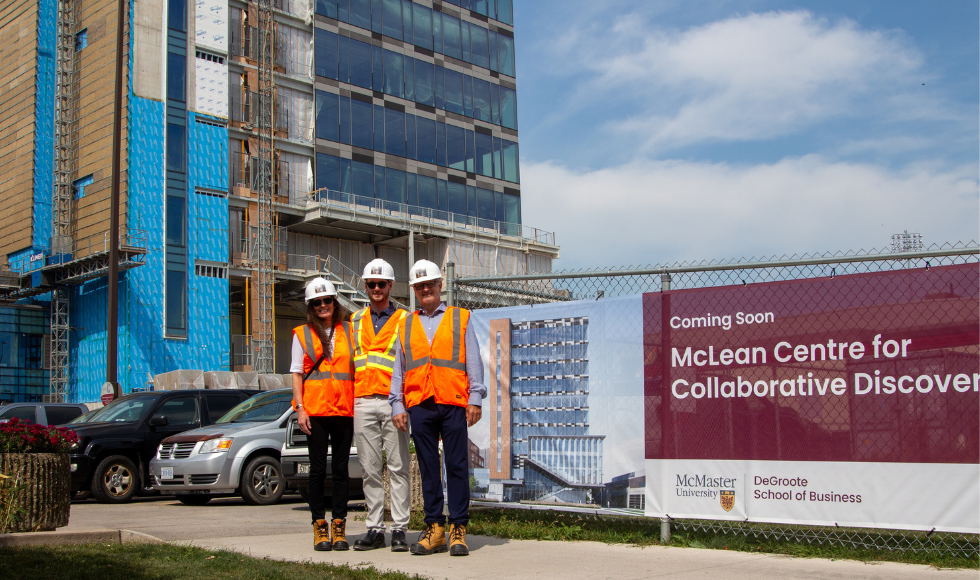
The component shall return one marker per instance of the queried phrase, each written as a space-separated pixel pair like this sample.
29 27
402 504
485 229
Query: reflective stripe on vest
428 375
374 354
455 363
317 374
328 390
367 358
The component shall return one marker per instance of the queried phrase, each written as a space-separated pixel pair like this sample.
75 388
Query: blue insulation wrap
87 341
44 124
143 291
207 224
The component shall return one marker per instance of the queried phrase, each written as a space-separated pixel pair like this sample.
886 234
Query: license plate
166 473
303 468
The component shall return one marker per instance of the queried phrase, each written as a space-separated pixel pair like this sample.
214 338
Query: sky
654 132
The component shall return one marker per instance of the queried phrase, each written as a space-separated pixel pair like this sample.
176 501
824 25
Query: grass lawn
565 526
164 562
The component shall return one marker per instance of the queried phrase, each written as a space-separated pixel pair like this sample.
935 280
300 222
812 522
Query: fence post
665 282
664 529
450 283
411 262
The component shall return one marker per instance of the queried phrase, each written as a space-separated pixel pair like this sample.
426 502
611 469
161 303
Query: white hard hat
319 287
423 271
378 269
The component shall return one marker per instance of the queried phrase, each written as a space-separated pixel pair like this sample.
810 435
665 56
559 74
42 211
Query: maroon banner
880 367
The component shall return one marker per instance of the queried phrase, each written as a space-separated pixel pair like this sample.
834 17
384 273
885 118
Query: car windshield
264 407
124 410
84 417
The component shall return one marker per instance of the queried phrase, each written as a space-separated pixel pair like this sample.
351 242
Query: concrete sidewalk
283 532
495 559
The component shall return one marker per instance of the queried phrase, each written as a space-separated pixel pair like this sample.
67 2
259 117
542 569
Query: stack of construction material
191 379
220 380
179 380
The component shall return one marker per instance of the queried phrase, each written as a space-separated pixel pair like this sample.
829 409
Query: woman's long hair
325 334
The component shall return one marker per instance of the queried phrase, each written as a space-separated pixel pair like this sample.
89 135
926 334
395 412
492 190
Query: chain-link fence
792 417
495 291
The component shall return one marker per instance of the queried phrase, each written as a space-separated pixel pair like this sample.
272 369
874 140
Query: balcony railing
425 215
243 171
242 40
244 107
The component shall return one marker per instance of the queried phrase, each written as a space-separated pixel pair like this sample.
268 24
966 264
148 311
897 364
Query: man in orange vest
437 385
375 331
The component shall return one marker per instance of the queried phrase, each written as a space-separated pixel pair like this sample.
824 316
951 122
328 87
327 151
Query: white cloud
649 212
747 77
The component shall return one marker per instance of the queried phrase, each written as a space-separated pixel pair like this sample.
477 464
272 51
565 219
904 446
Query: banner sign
849 401
842 401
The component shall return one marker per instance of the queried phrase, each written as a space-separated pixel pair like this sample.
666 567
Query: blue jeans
429 421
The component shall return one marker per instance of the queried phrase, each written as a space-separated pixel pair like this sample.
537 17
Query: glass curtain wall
371 67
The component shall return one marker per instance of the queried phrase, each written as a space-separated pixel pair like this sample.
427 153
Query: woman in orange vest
323 396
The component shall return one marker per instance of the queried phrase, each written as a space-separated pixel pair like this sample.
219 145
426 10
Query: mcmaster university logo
727 499
708 486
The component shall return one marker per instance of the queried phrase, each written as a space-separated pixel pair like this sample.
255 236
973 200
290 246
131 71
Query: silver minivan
237 455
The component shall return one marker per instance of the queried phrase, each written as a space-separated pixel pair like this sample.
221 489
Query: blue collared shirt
380 317
473 362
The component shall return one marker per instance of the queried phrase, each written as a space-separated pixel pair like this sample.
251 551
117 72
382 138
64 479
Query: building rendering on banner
538 411
265 143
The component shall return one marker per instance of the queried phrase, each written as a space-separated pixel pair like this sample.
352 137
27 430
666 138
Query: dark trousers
429 421
332 434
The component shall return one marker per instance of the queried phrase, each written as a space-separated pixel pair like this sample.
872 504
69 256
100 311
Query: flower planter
39 488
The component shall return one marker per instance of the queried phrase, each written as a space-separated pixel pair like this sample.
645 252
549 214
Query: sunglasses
426 285
380 284
319 301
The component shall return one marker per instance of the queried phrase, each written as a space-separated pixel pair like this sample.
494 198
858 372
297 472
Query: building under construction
263 143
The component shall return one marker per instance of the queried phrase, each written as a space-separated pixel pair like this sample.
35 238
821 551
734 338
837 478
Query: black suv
115 445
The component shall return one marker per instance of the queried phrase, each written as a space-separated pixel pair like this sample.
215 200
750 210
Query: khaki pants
374 432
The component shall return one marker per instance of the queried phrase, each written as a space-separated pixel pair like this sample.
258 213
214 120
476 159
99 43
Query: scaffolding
264 269
64 99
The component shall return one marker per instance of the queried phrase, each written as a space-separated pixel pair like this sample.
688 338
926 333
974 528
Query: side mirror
159 421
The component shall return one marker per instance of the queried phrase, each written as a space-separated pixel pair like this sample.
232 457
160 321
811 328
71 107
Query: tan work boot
431 541
338 530
321 536
457 540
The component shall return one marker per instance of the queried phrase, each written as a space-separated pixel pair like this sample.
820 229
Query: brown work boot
431 541
337 529
321 536
457 540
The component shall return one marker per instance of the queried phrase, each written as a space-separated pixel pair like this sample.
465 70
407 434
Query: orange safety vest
329 390
437 370
374 354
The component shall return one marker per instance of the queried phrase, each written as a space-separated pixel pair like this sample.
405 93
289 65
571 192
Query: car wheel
262 482
115 480
304 492
195 499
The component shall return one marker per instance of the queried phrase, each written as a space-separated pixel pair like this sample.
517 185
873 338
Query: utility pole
112 321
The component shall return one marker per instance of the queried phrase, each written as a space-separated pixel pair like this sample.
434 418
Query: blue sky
660 131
